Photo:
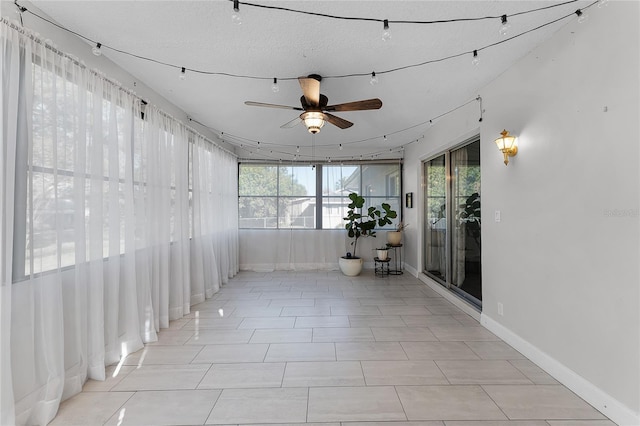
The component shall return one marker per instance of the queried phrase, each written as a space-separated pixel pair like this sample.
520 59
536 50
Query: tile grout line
203 376
364 376
442 372
306 418
117 409
213 406
395 389
496 404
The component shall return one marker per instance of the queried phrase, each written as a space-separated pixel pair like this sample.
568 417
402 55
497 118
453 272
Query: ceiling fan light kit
314 120
315 109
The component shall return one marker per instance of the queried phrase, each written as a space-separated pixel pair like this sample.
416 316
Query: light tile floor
319 347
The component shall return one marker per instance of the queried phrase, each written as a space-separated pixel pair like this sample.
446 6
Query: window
337 183
54 182
258 196
296 197
274 196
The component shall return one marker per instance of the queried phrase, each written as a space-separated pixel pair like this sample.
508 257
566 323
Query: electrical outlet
497 216
500 309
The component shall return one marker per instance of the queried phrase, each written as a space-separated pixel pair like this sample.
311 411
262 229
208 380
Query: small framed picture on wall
408 200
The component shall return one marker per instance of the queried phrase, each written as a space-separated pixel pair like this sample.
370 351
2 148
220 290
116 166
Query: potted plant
362 224
469 216
382 253
394 237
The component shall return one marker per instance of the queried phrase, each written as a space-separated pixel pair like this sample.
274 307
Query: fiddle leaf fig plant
469 214
362 224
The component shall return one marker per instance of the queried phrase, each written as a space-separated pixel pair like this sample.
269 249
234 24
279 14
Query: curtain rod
322 163
29 34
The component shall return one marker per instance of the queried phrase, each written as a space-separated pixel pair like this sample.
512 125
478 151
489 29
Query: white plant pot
394 237
382 254
351 267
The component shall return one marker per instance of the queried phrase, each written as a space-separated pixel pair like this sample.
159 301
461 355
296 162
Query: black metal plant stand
397 259
381 266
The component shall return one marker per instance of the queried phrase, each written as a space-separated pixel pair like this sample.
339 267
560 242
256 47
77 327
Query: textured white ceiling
268 43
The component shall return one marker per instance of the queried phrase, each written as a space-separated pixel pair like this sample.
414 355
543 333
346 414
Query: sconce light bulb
183 74
274 86
508 144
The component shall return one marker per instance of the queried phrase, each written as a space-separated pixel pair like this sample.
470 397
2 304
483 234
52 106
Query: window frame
320 197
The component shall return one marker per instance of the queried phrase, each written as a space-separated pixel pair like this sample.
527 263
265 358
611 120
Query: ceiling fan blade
356 106
311 90
260 104
292 123
337 121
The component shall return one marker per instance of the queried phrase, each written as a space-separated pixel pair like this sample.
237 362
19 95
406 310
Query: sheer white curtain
459 158
163 225
295 250
96 250
13 108
72 205
215 219
227 166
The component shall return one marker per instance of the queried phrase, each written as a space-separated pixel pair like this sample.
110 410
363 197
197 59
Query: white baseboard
410 269
270 267
455 300
605 403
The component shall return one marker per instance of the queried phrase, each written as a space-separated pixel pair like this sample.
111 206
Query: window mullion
319 196
449 217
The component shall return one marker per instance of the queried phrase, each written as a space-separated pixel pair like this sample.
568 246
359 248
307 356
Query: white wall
564 259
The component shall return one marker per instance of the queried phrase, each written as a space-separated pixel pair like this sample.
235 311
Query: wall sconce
508 144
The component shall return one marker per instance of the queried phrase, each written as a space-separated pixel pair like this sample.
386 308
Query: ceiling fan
315 110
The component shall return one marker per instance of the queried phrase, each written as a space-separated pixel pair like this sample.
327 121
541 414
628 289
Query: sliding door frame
449 217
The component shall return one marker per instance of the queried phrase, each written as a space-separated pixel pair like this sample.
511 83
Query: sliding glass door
452 244
436 249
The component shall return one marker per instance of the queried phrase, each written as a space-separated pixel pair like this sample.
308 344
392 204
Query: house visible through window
311 197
